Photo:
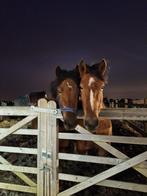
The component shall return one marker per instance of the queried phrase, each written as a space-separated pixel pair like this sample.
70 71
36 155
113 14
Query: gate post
42 143
52 150
47 162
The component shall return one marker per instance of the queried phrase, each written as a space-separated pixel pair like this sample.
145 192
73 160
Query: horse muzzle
70 120
91 124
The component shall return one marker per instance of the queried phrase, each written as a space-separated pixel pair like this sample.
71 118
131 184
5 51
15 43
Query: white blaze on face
91 100
69 86
91 80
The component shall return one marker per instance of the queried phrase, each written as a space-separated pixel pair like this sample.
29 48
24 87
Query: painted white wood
115 113
21 131
52 149
20 188
24 169
96 159
45 153
18 150
119 114
107 183
89 159
16 111
125 113
41 158
106 174
104 138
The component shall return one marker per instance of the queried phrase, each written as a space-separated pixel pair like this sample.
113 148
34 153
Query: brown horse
93 79
65 90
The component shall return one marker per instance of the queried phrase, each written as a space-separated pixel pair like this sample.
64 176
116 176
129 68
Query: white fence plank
24 169
107 183
96 159
106 174
19 188
16 111
116 113
89 159
18 150
119 114
21 131
125 113
104 138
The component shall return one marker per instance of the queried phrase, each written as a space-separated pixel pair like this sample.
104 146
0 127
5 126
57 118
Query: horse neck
103 106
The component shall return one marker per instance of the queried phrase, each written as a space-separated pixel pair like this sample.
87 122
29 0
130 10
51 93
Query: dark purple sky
36 36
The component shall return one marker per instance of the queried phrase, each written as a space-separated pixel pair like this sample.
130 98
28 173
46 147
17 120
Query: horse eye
102 88
59 92
81 87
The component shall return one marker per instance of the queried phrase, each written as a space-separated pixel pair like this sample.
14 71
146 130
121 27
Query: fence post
52 151
111 103
126 103
42 143
116 103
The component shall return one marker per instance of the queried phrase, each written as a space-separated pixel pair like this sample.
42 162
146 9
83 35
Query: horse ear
58 71
82 68
102 68
76 70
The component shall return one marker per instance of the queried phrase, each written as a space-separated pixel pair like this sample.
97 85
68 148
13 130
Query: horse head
93 79
65 90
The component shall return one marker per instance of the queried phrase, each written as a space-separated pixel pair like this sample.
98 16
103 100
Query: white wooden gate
48 157
121 163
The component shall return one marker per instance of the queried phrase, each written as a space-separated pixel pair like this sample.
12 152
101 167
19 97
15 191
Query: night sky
36 36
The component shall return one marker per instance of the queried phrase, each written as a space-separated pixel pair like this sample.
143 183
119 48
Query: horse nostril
70 124
91 123
66 125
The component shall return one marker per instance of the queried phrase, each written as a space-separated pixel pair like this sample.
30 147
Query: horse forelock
65 75
93 70
91 81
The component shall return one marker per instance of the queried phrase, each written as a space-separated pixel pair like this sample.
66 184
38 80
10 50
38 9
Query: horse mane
66 74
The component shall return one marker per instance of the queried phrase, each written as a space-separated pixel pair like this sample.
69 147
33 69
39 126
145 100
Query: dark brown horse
65 90
93 79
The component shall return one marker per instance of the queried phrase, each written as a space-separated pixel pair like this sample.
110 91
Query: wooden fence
48 156
126 103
